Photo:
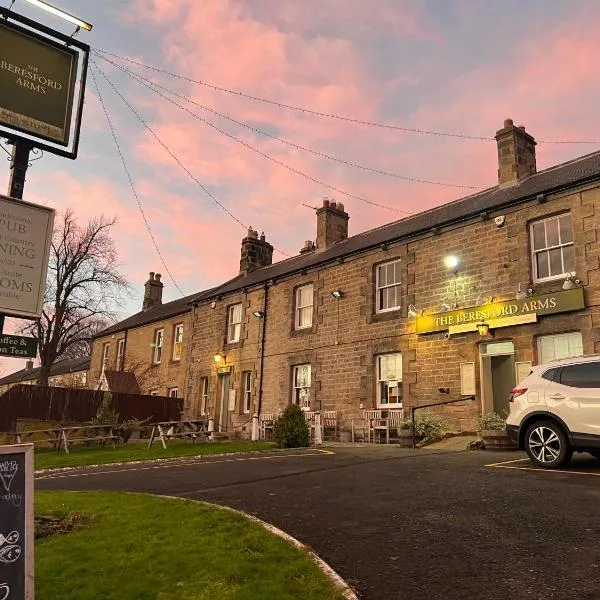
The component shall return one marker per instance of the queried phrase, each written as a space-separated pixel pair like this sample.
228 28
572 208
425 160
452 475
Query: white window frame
159 341
171 390
105 355
302 309
379 288
177 341
120 354
384 378
247 397
234 323
573 339
300 389
204 395
534 252
153 393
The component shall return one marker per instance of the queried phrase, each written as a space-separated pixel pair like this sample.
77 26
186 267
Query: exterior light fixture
57 12
337 293
259 314
218 357
483 328
412 310
445 307
568 283
451 263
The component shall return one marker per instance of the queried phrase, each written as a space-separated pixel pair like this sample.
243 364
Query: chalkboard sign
16 522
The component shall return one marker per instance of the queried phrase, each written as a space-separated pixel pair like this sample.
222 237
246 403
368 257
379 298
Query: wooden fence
68 405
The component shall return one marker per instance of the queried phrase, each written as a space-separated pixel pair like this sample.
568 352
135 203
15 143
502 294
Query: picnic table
52 435
194 429
88 433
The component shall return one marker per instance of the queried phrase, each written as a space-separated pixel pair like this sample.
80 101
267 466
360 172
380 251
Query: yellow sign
503 314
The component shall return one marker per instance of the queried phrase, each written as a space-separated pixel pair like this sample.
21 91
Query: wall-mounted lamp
445 307
259 314
57 12
451 263
483 328
570 282
337 293
412 310
218 357
479 301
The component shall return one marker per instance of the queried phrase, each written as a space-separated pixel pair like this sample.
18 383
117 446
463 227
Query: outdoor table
53 435
91 433
193 429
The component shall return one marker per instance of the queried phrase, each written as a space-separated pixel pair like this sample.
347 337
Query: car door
576 398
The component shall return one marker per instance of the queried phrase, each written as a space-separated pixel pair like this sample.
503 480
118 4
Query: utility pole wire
130 179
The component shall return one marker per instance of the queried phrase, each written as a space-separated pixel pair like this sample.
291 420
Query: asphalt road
398 524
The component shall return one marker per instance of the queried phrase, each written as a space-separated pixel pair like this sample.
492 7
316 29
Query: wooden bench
105 433
193 429
52 436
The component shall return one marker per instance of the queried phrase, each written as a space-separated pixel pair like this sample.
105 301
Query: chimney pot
325 202
508 123
157 277
151 275
333 204
340 207
29 365
262 236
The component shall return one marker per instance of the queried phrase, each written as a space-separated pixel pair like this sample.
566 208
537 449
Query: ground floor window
247 380
204 395
556 347
301 377
389 380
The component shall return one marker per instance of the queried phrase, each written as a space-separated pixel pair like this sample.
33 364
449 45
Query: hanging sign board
16 522
25 236
17 346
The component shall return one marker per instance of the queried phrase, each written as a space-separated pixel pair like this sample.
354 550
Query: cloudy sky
454 66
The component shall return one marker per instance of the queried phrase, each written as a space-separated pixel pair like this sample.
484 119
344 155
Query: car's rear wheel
547 445
595 453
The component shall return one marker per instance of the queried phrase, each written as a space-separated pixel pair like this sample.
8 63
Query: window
172 392
388 286
556 347
304 307
552 249
301 378
389 380
583 375
105 356
551 374
234 323
203 395
120 354
177 341
159 338
247 379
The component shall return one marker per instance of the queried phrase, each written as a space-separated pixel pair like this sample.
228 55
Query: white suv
556 410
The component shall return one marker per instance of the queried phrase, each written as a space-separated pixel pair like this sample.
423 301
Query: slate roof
61 367
124 382
563 176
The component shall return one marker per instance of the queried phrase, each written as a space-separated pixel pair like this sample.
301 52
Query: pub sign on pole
16 522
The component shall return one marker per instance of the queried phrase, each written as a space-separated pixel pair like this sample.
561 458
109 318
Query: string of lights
172 155
317 113
270 158
287 142
131 184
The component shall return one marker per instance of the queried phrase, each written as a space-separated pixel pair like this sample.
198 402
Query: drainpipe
262 356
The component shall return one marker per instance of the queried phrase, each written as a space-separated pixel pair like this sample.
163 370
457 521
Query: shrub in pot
290 430
492 429
405 434
430 426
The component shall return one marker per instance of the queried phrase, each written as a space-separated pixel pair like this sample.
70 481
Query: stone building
454 302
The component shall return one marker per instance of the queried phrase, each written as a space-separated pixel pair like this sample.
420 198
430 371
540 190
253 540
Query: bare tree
84 287
83 346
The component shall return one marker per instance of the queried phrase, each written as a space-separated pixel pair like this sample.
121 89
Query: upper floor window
105 356
120 354
387 283
552 249
203 395
301 379
159 338
389 380
154 392
304 307
247 379
173 392
177 341
234 323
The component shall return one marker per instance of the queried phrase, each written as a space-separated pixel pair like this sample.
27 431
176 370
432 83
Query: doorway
497 376
223 412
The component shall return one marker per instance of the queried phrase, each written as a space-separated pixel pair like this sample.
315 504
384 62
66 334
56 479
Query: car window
550 374
583 375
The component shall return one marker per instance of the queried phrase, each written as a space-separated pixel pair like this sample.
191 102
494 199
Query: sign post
16 522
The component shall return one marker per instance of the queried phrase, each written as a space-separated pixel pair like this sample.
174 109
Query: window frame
170 392
157 353
105 355
246 391
236 324
298 307
120 354
177 343
296 389
533 252
204 387
153 393
378 288
539 339
380 380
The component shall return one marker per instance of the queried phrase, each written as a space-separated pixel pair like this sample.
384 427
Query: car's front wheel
547 445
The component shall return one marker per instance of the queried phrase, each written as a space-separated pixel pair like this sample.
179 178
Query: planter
497 440
345 436
405 438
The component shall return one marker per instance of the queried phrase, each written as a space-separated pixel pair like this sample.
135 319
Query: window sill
301 332
389 315
233 345
174 361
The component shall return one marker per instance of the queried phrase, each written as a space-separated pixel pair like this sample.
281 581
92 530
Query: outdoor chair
329 420
266 421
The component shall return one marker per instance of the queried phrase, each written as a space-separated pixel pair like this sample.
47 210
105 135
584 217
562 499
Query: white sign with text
25 237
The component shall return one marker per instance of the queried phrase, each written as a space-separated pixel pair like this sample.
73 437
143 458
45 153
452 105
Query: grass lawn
138 547
46 458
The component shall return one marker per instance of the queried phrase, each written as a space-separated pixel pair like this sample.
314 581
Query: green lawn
46 458
138 547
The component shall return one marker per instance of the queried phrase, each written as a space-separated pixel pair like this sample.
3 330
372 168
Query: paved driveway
399 524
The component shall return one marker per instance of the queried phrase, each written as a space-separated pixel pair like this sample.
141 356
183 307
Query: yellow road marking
506 462
540 470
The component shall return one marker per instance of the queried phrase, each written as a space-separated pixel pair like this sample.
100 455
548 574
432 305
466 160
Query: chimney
29 365
256 252
152 291
309 246
516 154
332 224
